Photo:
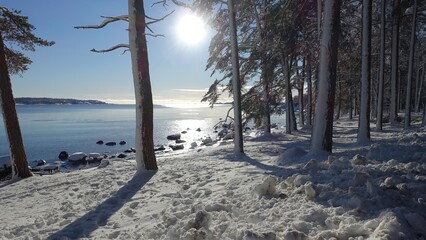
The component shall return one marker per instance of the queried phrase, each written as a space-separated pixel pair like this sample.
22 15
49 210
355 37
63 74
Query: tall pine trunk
407 117
394 64
18 158
236 83
364 113
145 155
379 120
322 134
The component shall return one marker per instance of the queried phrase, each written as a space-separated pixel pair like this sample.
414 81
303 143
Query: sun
191 29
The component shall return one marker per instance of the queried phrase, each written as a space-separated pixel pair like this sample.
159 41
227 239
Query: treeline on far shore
30 100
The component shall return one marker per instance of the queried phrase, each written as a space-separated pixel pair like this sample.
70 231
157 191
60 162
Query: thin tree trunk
266 118
364 113
339 98
422 80
236 84
18 158
379 121
407 118
145 155
350 104
309 105
394 64
322 134
301 102
286 70
416 95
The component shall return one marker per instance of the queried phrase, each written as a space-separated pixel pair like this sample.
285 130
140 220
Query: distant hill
29 100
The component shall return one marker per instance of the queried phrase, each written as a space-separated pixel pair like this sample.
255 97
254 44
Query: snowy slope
375 191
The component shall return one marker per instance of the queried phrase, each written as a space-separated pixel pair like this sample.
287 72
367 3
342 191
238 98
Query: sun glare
191 29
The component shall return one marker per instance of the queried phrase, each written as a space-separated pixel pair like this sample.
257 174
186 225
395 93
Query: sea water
49 129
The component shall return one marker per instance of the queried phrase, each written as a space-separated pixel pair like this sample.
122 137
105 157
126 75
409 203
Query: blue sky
69 70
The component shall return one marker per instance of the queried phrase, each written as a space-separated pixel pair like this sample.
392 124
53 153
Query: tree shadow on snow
269 169
85 225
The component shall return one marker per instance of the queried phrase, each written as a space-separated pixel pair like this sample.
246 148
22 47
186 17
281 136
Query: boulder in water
174 137
176 146
100 142
123 143
111 143
41 162
63 156
77 157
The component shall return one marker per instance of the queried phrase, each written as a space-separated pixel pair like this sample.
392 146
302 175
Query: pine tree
322 134
15 30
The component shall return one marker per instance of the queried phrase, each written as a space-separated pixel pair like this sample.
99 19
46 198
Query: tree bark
322 134
236 83
407 117
379 120
145 155
364 113
18 158
286 71
394 64
301 102
309 104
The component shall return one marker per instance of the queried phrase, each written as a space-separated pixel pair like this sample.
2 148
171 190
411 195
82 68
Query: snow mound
267 187
291 156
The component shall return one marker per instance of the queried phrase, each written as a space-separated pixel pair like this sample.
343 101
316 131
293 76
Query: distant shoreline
54 101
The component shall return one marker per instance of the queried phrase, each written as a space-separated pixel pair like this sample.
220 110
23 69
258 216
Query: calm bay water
50 129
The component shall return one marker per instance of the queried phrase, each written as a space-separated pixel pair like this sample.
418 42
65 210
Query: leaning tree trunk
145 155
364 113
236 84
379 120
394 64
407 118
16 146
322 134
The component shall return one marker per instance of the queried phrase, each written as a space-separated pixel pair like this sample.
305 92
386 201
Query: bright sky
69 70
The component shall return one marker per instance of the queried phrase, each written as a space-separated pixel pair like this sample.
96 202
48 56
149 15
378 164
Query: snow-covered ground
375 191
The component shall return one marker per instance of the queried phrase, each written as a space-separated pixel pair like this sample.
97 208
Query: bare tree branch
112 48
107 21
155 20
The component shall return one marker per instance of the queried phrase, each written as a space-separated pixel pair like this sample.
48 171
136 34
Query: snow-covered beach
376 191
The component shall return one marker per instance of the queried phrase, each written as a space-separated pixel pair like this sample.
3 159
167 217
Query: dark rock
41 162
274 125
159 148
183 132
180 141
50 169
176 146
111 143
174 136
123 143
121 155
228 136
63 156
198 130
100 142
128 151
133 150
223 132
77 158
